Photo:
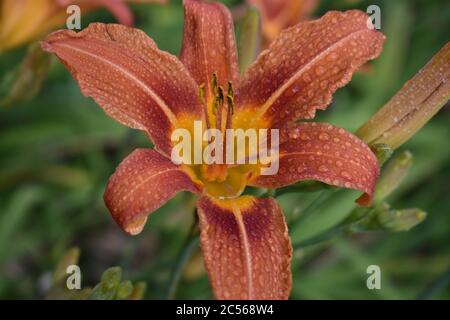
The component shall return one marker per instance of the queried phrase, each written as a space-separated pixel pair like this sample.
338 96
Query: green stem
327 235
188 248
316 203
350 225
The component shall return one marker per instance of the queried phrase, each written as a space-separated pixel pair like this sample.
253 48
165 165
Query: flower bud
401 220
382 151
413 106
392 175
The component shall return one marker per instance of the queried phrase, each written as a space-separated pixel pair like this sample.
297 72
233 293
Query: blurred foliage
110 287
58 150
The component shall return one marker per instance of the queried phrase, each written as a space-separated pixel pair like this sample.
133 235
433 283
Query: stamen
215 98
230 112
219 110
214 84
230 105
202 99
216 111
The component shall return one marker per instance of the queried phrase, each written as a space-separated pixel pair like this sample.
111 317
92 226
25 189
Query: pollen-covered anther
218 113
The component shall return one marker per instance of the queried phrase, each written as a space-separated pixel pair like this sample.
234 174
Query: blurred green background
58 150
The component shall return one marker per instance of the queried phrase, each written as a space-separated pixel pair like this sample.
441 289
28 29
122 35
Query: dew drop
333 56
294 90
304 137
346 175
324 84
306 77
293 135
320 70
324 136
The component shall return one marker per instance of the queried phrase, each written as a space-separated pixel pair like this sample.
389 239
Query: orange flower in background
280 14
244 239
22 21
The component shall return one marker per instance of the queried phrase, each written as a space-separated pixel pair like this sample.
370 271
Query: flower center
218 109
233 185
221 180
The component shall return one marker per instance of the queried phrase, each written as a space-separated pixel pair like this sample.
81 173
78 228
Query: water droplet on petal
324 84
320 70
333 56
324 136
304 137
306 77
346 175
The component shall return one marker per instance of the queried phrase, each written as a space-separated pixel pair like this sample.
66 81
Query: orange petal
320 151
305 65
142 183
208 43
126 74
280 14
246 248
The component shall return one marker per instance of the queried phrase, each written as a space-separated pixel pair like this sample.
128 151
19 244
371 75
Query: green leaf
124 290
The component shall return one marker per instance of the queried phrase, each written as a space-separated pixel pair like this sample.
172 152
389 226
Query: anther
219 108
230 97
214 84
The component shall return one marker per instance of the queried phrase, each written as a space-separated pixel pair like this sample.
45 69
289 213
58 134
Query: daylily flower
244 239
278 15
26 20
